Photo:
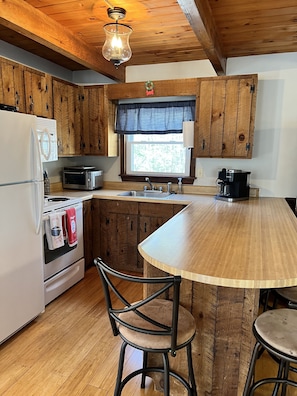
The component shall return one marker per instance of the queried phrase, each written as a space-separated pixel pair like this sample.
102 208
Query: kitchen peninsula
225 252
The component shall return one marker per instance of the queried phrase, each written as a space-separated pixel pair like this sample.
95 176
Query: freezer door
19 149
21 260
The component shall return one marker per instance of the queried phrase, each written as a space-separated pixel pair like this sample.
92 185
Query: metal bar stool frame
118 325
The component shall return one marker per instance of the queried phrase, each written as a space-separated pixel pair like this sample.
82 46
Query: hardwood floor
70 350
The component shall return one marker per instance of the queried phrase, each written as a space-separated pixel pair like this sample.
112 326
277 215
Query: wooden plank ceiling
70 33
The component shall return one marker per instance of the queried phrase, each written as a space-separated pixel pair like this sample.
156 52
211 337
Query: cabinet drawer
156 209
117 206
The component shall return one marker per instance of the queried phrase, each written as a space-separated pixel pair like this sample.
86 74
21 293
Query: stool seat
158 310
278 329
275 332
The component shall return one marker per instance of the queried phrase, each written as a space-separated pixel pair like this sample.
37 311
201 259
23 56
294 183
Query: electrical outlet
200 172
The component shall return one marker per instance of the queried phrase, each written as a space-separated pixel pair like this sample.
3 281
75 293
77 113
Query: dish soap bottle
179 186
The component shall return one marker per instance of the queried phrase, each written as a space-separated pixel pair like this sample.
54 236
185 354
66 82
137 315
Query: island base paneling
224 340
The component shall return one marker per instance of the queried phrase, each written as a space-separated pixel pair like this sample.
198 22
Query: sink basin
145 194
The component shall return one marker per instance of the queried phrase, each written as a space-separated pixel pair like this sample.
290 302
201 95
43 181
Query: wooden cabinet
98 114
67 113
12 84
119 226
152 216
93 138
38 93
225 112
88 233
119 233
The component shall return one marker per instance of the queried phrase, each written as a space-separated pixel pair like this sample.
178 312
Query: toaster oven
82 178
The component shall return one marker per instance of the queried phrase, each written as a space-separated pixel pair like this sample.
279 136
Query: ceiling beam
199 15
19 16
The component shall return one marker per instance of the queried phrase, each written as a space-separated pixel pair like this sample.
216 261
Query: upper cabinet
12 84
224 121
38 93
225 112
98 137
67 114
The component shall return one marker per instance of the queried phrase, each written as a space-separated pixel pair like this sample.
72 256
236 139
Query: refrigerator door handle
38 181
36 157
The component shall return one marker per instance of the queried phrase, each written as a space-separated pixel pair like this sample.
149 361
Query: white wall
274 164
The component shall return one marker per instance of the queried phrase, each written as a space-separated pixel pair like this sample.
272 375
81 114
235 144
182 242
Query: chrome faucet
147 179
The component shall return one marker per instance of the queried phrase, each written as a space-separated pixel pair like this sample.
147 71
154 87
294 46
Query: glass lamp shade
116 48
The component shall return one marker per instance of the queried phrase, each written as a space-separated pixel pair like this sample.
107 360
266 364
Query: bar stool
275 332
289 294
152 325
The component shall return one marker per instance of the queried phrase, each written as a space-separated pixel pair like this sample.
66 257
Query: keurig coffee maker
233 185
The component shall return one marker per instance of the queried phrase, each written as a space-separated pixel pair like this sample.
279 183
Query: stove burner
58 199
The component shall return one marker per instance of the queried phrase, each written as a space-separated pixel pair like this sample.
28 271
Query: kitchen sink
145 194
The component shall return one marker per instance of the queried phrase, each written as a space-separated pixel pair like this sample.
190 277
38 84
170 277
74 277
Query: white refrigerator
21 206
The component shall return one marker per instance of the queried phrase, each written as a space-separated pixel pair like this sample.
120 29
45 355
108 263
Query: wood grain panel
230 122
12 84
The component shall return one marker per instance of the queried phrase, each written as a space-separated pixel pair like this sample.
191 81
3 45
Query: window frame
156 179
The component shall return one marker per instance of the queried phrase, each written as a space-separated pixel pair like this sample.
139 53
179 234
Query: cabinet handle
131 226
106 221
203 144
144 227
31 104
223 146
241 137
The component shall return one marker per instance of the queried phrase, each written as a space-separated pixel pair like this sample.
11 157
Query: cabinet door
12 84
119 234
38 92
67 114
152 216
88 233
93 129
126 241
225 117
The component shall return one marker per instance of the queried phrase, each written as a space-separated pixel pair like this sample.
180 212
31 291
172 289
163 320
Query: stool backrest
118 303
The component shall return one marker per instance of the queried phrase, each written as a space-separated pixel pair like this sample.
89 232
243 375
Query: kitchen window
157 155
152 140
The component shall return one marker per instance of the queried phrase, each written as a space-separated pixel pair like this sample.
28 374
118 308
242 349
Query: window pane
157 155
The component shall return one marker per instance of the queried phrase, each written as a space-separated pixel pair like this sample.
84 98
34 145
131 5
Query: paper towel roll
188 134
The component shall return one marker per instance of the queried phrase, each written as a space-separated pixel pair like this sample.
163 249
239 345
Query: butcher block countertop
244 244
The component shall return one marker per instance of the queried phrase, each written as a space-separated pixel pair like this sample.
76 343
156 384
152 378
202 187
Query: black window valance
154 118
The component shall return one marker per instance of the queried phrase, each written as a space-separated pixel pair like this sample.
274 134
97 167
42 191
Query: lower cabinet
88 233
119 233
119 226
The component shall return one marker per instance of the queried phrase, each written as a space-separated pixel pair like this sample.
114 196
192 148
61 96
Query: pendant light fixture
116 48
